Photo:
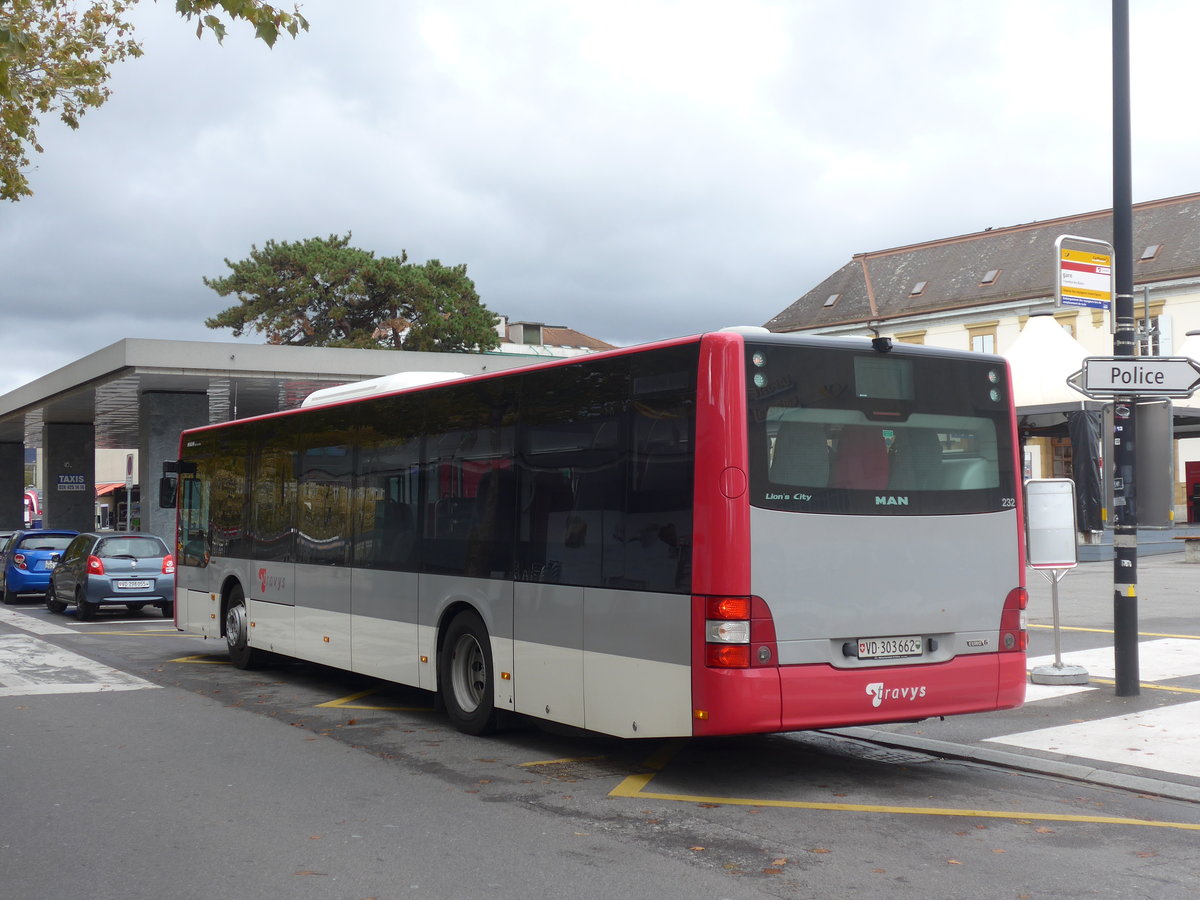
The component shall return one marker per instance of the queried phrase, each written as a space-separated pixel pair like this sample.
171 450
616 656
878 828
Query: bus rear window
832 431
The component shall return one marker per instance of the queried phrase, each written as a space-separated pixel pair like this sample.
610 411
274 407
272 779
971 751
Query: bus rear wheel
466 680
237 632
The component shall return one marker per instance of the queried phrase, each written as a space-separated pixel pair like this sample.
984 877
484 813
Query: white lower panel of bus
617 695
632 697
273 627
198 612
322 636
386 649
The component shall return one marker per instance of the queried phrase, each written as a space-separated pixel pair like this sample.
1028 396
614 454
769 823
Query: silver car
113 568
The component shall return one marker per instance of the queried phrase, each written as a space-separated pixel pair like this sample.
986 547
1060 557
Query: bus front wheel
237 632
466 679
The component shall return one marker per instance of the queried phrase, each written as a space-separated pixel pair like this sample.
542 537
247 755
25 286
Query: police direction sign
1138 376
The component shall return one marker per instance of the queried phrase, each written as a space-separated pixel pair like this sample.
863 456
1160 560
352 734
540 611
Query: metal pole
1125 612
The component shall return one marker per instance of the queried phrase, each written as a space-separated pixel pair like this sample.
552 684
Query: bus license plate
145 585
890 647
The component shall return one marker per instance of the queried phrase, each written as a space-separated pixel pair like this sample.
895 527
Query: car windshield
131 547
44 542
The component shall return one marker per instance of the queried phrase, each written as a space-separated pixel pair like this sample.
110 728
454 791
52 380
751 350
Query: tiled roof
880 285
569 337
560 336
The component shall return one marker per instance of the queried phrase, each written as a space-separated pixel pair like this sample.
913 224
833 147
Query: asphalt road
136 763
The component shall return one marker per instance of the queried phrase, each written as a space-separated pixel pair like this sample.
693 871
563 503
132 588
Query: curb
1056 768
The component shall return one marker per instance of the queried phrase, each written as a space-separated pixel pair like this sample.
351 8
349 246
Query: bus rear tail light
95 565
738 633
1013 636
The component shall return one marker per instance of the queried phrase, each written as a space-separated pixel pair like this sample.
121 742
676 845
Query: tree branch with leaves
322 292
57 56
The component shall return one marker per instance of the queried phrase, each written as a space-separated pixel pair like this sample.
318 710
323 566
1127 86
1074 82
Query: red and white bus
729 533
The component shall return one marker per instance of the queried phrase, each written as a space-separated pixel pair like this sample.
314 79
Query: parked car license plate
890 647
133 585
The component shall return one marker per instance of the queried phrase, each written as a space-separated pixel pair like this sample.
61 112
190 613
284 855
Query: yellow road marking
144 633
203 659
634 787
1153 687
559 762
1153 634
348 703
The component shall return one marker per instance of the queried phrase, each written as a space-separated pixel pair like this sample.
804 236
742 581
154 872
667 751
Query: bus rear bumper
796 698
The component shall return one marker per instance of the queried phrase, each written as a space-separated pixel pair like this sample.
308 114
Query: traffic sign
1137 376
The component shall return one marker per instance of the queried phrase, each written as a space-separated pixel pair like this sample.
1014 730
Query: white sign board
1050 523
1084 278
1139 376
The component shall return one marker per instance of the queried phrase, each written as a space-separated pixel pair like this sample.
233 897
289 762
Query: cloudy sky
635 170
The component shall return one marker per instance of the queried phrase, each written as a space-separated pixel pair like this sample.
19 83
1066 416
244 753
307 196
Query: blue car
29 559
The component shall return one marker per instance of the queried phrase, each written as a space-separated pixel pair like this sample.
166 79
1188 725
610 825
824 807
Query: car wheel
134 607
465 679
9 597
85 610
168 609
237 632
52 602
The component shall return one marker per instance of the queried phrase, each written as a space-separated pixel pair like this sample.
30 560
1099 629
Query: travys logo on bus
270 582
878 691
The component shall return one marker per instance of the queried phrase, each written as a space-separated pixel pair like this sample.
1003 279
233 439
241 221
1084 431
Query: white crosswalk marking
1163 739
31 623
1166 739
31 666
1157 660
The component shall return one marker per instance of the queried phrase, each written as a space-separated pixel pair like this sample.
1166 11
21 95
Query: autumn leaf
953 862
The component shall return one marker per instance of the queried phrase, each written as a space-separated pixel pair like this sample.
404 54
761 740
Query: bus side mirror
167 489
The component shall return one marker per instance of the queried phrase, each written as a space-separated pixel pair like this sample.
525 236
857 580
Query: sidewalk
1149 742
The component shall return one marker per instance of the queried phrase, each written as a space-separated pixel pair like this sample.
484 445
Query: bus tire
237 632
466 680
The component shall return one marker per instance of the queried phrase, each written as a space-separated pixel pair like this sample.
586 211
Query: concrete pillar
12 486
163 415
69 496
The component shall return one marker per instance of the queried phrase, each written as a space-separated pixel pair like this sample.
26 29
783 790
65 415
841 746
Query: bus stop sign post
1050 539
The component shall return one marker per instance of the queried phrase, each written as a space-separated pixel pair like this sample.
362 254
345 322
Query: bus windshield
877 434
